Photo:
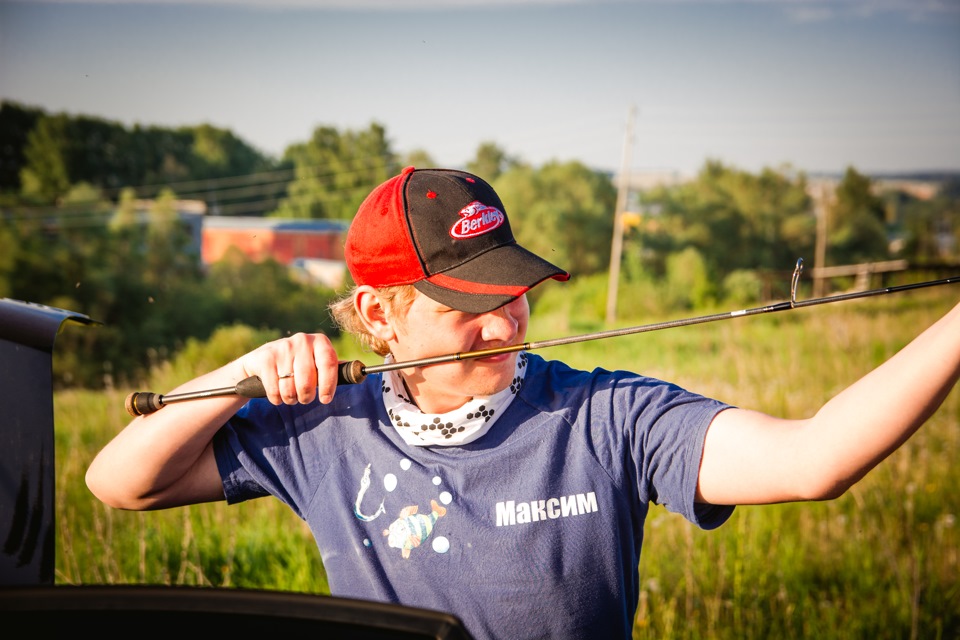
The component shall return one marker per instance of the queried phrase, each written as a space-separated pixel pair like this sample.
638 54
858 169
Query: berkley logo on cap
477 219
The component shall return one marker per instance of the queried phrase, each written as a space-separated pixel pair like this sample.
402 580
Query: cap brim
490 280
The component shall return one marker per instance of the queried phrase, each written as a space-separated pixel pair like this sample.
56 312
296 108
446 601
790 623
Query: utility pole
616 247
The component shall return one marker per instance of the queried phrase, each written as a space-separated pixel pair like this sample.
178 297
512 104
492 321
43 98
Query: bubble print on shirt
411 529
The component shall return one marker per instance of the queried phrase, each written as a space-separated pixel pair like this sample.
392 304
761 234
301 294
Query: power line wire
221 190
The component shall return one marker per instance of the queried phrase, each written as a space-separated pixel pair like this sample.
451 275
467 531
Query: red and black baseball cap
446 233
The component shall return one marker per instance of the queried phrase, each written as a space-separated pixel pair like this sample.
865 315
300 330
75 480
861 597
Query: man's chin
491 385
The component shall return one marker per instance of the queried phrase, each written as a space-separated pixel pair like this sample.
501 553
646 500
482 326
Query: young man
510 491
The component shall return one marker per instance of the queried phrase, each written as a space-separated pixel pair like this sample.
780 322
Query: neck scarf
460 426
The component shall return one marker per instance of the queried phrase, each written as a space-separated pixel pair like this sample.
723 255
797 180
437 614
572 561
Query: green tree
218 153
856 229
84 194
9 247
45 175
211 147
950 189
160 156
167 256
162 217
561 211
418 158
735 220
61 150
930 229
263 295
490 161
16 123
125 214
204 163
335 171
687 282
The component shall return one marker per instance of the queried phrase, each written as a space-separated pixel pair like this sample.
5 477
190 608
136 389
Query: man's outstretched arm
753 458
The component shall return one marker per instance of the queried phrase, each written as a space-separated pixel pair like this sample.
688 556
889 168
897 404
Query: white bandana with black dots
456 427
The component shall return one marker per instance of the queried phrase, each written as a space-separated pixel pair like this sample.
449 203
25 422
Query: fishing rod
353 372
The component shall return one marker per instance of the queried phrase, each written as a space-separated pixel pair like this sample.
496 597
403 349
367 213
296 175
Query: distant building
644 180
314 247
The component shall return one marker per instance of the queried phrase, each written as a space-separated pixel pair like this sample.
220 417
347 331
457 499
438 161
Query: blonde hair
395 302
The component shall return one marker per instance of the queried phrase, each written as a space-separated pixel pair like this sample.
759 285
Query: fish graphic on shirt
411 529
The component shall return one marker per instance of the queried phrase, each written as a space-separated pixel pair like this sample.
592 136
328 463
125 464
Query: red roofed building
314 246
284 240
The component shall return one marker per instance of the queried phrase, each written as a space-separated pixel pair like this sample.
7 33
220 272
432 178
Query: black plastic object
27 333
30 600
164 610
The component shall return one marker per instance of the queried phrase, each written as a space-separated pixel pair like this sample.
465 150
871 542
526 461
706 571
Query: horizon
818 86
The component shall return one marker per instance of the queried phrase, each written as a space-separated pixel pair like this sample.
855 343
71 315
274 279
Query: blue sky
819 85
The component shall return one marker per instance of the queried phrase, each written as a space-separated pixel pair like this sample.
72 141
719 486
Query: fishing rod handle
140 403
349 372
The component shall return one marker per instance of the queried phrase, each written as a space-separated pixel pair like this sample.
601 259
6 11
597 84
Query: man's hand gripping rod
352 372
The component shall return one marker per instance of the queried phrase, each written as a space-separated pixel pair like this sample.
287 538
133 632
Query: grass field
880 562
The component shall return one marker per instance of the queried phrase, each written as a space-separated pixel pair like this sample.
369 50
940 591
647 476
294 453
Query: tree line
71 236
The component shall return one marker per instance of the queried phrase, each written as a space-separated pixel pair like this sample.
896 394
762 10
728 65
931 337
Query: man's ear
373 313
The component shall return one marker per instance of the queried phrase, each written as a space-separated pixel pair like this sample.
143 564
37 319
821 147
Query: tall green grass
880 562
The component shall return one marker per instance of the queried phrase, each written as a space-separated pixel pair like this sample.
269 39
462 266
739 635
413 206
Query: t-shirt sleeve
655 433
668 447
248 456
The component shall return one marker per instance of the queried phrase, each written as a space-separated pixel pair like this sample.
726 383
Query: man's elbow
825 486
106 491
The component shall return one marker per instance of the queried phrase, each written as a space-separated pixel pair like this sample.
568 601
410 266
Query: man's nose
500 325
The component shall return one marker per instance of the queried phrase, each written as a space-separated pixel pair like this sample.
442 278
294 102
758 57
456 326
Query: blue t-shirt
533 530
